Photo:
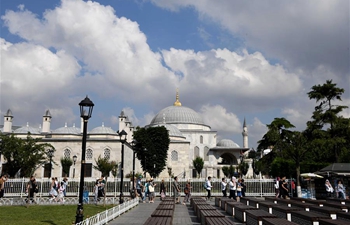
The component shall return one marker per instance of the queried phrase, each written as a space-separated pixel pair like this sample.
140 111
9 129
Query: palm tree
105 167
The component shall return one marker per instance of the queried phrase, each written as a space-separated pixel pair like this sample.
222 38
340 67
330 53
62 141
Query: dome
26 129
226 143
102 130
67 130
173 131
177 115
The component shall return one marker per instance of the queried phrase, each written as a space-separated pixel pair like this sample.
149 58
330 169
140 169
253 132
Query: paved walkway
183 214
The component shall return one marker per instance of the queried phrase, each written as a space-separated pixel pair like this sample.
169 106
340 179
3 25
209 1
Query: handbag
150 188
162 195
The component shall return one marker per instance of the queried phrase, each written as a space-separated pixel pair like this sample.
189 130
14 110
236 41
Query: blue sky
230 60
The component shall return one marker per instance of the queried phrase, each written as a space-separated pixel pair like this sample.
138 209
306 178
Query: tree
66 164
151 147
105 167
243 168
228 171
326 114
25 155
198 164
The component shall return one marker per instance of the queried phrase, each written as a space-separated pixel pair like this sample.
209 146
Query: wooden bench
240 211
276 221
284 212
165 207
326 210
199 208
209 213
254 217
343 216
332 222
162 213
197 203
197 200
307 218
343 207
159 221
224 202
218 221
266 206
339 200
218 201
230 207
305 206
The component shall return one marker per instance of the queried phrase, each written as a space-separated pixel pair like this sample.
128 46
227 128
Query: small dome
227 144
177 115
26 129
173 131
102 130
67 130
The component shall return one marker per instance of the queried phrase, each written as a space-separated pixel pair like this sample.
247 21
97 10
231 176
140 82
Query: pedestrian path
183 214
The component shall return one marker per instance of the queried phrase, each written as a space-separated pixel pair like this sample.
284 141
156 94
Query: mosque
189 137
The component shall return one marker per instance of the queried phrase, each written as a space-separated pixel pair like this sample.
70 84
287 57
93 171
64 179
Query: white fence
17 187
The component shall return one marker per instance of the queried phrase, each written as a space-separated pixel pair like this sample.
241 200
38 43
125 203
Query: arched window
88 154
196 152
66 153
107 154
206 153
174 156
201 139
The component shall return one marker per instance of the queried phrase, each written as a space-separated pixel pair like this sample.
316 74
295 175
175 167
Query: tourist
244 188
139 187
96 199
232 185
30 190
53 191
176 187
146 191
329 188
162 190
64 183
284 189
281 189
60 196
3 179
208 183
341 190
223 187
187 191
239 190
151 187
277 187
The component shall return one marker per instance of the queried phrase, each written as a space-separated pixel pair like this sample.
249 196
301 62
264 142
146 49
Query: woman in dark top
162 190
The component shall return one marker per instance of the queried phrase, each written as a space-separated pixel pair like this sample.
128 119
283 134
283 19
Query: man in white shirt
209 188
223 187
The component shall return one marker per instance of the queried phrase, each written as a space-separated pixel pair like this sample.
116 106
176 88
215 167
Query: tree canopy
151 147
198 164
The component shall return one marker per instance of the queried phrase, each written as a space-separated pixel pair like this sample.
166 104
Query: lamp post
122 136
133 165
74 161
86 107
50 154
0 157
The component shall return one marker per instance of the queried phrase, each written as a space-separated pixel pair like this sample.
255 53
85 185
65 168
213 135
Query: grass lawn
48 214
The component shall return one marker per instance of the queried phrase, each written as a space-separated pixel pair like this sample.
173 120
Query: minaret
177 102
245 135
122 122
46 122
7 122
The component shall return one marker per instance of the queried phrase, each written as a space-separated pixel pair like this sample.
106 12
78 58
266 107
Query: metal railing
254 187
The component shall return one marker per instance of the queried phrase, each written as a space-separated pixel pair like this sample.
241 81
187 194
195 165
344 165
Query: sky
229 59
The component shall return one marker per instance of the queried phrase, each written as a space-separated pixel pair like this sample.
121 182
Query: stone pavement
183 214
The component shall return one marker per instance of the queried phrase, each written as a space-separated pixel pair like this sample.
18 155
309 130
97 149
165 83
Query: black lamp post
0 156
50 154
86 107
122 136
75 157
133 165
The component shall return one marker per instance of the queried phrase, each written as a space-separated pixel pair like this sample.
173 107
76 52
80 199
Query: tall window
66 153
174 156
88 170
206 153
201 139
107 154
47 170
88 155
196 152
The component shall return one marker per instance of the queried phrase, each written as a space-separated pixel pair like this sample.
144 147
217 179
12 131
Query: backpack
186 190
205 185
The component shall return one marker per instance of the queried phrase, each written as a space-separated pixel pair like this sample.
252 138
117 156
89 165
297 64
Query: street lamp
0 157
122 136
74 161
133 143
86 107
50 154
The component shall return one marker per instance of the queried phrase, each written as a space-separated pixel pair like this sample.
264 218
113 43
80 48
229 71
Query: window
201 139
174 156
66 153
107 154
196 152
88 170
47 170
88 155
206 153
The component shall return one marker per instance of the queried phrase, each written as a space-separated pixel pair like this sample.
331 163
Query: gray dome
227 144
177 115
173 131
102 130
67 130
26 129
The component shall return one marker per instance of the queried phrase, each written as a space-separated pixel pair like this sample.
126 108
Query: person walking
64 183
162 190
151 190
223 187
208 183
232 185
96 199
277 187
244 187
30 190
139 187
187 191
53 191
239 190
3 179
176 187
146 191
